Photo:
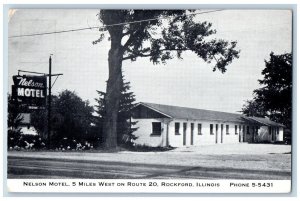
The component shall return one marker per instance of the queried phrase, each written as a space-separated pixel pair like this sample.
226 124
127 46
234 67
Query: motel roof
177 112
265 121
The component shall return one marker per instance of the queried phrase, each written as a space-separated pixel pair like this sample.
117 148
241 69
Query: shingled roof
209 115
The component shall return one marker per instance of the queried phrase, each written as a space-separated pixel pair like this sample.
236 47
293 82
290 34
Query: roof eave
266 124
156 110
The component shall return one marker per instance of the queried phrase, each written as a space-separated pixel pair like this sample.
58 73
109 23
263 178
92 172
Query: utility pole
50 85
49 104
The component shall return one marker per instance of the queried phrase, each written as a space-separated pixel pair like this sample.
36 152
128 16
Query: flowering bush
16 141
73 144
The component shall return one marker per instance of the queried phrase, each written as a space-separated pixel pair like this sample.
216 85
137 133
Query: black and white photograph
150 100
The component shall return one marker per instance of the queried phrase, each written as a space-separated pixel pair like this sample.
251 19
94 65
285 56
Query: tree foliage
254 108
125 131
159 35
173 32
14 117
274 98
71 117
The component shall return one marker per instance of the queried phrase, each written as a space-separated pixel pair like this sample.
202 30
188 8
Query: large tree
159 35
125 129
274 98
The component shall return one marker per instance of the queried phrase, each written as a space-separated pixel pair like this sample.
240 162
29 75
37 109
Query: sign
30 90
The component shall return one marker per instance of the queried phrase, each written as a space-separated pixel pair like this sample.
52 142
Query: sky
189 82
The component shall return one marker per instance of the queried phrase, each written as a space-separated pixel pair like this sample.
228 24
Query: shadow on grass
282 153
271 143
145 148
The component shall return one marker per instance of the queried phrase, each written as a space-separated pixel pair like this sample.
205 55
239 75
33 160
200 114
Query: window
248 130
256 131
177 128
199 129
156 128
227 129
253 129
270 130
277 130
235 129
211 129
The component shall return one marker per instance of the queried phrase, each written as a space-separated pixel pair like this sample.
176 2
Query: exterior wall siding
144 133
205 137
280 135
239 135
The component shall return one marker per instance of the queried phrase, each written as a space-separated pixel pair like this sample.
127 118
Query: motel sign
30 90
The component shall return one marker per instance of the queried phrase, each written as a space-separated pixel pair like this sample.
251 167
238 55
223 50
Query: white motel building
165 125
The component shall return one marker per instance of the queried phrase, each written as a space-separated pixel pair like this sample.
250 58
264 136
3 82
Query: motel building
165 125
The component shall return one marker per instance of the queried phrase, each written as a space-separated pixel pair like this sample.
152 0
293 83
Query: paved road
54 168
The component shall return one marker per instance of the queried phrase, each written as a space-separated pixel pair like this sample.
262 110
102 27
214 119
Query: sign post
31 91
49 104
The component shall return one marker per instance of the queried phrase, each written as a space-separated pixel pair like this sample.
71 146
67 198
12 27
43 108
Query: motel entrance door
221 133
192 133
244 134
240 133
184 134
217 125
273 131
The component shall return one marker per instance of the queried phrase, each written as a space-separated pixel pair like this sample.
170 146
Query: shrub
16 141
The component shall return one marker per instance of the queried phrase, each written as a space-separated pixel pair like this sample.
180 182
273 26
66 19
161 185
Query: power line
103 27
54 32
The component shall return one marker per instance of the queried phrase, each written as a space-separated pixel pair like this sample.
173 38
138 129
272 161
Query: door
273 134
184 134
244 132
192 133
217 133
221 133
240 133
253 134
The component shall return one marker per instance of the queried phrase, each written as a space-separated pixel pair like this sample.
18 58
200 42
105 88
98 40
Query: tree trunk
113 91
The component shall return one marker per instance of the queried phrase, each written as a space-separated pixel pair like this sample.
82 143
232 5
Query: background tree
14 111
133 35
276 93
39 119
71 117
254 108
124 124
274 98
14 120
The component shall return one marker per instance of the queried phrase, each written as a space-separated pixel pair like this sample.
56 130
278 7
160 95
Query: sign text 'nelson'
30 90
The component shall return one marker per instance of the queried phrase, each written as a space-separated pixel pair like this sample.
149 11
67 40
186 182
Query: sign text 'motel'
30 90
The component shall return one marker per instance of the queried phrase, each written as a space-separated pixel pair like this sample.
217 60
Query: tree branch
148 55
134 56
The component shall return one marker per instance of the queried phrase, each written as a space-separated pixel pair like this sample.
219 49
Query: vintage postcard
150 101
